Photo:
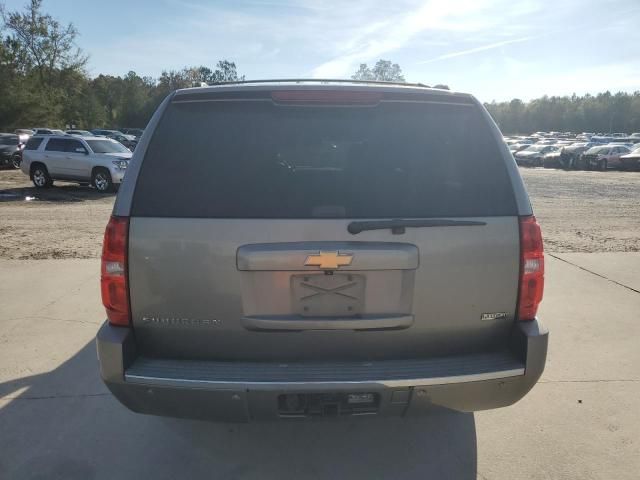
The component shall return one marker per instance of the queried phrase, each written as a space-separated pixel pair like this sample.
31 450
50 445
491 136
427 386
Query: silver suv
322 249
99 161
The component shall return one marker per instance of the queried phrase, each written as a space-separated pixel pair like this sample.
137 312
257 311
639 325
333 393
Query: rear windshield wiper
398 225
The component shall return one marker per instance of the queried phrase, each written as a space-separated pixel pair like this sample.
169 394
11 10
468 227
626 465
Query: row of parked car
13 144
585 151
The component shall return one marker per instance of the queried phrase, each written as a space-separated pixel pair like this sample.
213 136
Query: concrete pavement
623 269
581 421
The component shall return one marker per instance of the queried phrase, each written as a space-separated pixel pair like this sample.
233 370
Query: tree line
44 82
43 79
605 113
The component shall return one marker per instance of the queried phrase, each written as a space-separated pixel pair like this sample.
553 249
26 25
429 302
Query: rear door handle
296 322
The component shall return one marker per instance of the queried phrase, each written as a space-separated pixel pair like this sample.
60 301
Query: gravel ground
66 221
578 211
586 211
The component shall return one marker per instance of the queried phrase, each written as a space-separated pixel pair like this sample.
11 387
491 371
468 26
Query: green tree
46 68
41 42
382 71
225 72
363 73
108 91
43 81
135 92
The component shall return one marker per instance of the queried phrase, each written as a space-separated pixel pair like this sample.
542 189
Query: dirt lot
586 211
579 212
66 221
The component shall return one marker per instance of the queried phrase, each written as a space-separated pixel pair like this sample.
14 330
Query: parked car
319 266
533 155
102 162
47 131
604 139
573 154
81 133
521 145
136 132
554 159
104 132
561 157
603 157
10 150
24 134
128 141
631 160
629 145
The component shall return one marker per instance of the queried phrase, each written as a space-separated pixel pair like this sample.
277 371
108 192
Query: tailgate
204 289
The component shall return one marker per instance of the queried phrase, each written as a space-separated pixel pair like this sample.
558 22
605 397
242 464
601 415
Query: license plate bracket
321 295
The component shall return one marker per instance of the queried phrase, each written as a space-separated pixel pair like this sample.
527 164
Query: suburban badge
177 321
493 316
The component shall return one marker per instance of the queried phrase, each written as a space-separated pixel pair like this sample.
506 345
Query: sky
495 49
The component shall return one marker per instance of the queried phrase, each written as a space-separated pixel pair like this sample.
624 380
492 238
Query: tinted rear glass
33 143
56 145
260 160
72 145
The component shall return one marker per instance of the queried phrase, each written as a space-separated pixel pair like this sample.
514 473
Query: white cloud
552 49
398 30
470 51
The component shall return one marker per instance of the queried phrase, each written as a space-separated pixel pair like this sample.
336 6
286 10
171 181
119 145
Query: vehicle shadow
65 424
59 193
439 445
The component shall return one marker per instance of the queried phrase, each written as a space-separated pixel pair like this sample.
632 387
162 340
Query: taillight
531 268
331 97
113 280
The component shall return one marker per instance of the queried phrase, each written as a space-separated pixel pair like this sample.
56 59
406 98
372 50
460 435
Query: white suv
96 160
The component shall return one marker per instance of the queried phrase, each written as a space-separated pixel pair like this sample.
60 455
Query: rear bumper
238 391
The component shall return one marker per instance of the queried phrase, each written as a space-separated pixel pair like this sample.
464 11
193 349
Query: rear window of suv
33 143
256 159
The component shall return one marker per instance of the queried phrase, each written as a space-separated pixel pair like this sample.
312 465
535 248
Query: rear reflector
113 280
324 97
531 268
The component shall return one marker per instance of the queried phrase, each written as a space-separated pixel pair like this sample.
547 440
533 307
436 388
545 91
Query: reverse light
113 280
531 268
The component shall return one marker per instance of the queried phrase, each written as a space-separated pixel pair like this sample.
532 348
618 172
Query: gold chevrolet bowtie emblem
329 260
